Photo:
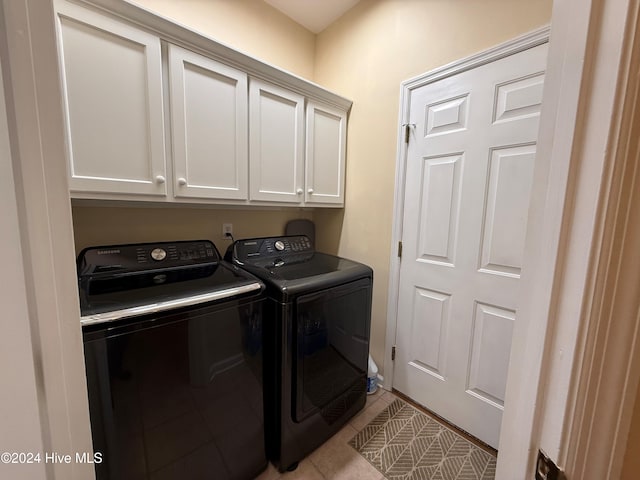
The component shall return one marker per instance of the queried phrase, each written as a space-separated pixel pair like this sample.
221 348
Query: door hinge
546 469
393 353
400 249
407 131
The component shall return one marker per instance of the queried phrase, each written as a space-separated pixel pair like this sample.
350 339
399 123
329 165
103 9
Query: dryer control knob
279 245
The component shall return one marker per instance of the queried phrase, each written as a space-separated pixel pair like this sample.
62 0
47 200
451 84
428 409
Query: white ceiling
314 15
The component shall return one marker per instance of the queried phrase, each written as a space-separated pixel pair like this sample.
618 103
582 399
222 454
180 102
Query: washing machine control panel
144 256
256 249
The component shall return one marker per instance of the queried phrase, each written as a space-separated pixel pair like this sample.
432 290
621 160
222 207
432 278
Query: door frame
46 263
576 278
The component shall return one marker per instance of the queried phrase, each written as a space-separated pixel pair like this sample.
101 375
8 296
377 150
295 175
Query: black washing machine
316 341
173 354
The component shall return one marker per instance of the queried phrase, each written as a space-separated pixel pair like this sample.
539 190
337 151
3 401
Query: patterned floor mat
406 444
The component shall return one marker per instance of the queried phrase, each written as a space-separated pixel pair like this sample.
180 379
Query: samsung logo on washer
108 252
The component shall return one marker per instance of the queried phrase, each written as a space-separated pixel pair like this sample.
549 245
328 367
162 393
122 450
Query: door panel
447 116
507 204
429 329
209 127
519 98
325 154
276 125
440 194
112 80
491 340
468 183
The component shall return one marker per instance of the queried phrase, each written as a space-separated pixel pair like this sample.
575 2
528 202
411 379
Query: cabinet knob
310 190
160 179
182 181
299 191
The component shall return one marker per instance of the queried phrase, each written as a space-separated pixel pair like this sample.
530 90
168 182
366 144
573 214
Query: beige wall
365 56
95 226
251 26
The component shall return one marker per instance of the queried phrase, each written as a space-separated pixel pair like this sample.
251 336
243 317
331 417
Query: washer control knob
279 245
182 181
158 254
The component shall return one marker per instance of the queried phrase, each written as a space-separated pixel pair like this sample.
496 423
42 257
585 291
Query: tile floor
335 459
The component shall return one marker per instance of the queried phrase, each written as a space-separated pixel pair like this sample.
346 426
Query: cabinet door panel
112 80
209 127
276 143
325 154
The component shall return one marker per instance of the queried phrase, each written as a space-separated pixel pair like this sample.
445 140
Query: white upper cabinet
276 144
325 154
112 78
237 131
209 127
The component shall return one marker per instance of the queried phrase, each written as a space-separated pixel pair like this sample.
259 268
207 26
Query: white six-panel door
469 173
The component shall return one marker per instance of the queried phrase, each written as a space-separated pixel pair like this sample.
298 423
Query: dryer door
331 350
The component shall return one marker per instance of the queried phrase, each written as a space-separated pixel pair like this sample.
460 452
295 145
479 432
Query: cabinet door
209 127
325 154
112 79
276 125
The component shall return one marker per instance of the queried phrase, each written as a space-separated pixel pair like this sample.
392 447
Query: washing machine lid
300 267
291 265
123 281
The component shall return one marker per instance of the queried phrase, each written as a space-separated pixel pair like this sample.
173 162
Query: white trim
551 406
591 362
35 115
511 47
17 358
528 371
